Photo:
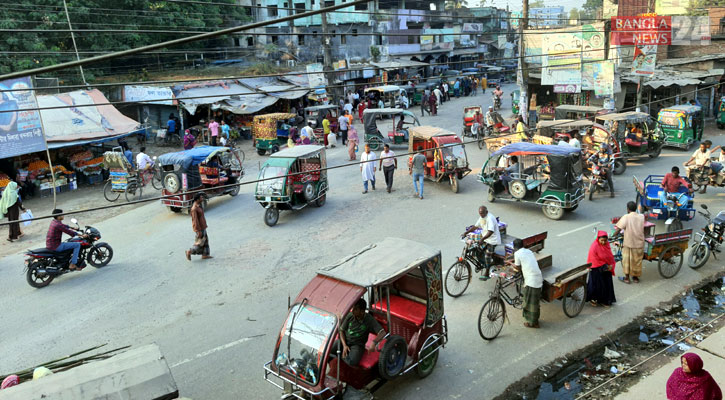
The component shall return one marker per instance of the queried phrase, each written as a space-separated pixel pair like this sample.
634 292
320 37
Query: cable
306 172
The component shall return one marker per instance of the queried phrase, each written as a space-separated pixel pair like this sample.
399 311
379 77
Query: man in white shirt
701 159
143 161
342 125
388 164
564 141
574 142
490 118
307 132
348 107
491 237
525 261
438 94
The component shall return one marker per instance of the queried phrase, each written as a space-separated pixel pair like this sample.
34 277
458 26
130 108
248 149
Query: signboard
588 76
687 31
604 79
315 76
567 89
562 49
501 41
342 64
655 30
643 62
148 94
472 28
671 7
592 43
570 76
20 132
426 39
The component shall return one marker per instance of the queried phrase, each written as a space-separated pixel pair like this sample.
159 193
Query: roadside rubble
670 327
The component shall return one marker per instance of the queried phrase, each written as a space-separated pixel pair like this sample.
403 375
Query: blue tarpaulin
531 148
187 158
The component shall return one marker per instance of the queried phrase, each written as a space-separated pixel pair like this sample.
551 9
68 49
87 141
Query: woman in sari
691 382
600 290
352 140
11 205
360 109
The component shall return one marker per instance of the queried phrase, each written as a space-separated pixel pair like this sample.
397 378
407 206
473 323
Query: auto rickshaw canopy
428 133
564 161
301 151
384 89
321 107
189 158
677 116
630 117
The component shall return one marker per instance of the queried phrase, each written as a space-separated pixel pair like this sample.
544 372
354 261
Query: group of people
388 163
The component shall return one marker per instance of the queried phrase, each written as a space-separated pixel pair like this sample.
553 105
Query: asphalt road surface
217 321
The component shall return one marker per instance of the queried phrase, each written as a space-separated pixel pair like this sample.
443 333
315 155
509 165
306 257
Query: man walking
388 164
632 224
214 132
367 168
525 261
417 170
342 123
198 224
423 103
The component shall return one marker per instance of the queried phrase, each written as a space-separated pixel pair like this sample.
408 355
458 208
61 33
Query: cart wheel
375 143
676 225
491 318
260 151
133 192
108 192
670 261
321 200
428 358
620 165
271 216
720 125
275 149
517 189
698 256
656 153
552 210
491 195
454 183
575 295
392 357
458 277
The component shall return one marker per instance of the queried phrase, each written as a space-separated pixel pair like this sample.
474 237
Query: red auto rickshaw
444 151
401 281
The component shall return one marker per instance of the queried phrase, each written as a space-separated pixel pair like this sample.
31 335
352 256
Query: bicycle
133 189
460 272
493 312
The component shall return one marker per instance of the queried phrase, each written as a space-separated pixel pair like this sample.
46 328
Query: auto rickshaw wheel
309 192
552 210
392 357
275 149
321 200
428 357
260 151
491 195
670 261
657 152
720 125
271 216
174 209
454 183
620 165
234 191
517 189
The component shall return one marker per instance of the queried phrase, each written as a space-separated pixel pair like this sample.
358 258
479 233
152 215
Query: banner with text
653 30
603 78
643 63
315 76
20 131
688 30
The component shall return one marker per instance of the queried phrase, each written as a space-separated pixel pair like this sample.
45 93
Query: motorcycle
43 265
496 102
598 180
709 240
699 177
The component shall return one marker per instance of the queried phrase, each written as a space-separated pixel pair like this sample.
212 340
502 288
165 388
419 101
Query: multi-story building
547 17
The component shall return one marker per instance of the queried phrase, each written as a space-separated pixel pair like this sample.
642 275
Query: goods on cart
4 182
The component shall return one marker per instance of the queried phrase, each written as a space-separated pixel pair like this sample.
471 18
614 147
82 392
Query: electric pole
73 39
326 50
521 77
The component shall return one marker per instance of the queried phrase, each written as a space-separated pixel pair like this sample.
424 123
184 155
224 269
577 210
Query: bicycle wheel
133 192
491 318
108 192
574 298
458 277
156 180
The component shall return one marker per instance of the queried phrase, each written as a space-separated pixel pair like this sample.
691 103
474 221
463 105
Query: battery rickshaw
549 176
271 131
292 179
445 154
317 114
375 138
721 114
401 282
672 211
635 133
675 125
214 169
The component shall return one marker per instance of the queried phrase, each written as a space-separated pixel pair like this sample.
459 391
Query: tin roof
297 151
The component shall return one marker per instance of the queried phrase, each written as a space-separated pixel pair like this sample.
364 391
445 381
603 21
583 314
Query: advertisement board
643 62
567 89
20 131
655 30
315 75
688 31
148 94
603 78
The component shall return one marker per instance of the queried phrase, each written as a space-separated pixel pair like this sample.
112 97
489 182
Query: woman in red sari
691 382
600 290
360 109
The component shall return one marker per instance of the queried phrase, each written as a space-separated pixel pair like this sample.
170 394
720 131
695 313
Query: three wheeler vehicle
209 168
401 281
469 115
292 179
667 248
569 111
123 178
444 151
721 114
316 114
674 124
643 141
388 93
648 199
550 176
271 131
374 138
515 97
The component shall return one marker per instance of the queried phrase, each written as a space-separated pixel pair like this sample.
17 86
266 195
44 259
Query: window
329 3
413 39
379 40
343 39
314 33
275 39
361 7
272 11
250 41
299 8
301 40
354 32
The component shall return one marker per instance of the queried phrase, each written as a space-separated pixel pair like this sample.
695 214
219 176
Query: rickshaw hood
330 294
525 148
188 158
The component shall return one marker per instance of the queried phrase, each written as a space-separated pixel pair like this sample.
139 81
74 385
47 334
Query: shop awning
197 94
398 64
58 145
664 78
247 104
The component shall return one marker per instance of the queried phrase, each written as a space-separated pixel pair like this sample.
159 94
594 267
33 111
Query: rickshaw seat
392 134
403 308
634 143
370 358
652 190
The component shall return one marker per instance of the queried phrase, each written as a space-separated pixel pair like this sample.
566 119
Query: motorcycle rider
605 161
701 159
498 94
55 234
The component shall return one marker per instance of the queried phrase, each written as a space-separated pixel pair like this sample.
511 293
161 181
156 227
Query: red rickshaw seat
370 358
403 308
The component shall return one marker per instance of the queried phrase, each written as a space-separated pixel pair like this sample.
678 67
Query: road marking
578 229
211 351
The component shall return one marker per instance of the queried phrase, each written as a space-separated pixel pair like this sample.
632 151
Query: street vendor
491 237
525 261
354 331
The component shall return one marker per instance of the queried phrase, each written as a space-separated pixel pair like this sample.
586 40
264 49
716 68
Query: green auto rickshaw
680 125
271 131
515 96
721 114
292 179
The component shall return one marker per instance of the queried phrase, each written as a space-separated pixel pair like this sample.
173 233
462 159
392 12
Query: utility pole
521 75
326 50
73 38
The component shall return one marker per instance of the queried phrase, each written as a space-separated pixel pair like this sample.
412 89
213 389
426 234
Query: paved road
217 321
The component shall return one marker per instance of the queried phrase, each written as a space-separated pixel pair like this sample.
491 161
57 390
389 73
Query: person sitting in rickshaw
634 136
400 127
671 184
506 173
605 161
354 331
491 118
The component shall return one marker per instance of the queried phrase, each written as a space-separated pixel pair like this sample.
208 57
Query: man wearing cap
490 118
55 234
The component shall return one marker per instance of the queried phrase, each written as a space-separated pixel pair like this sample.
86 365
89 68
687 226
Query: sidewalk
653 386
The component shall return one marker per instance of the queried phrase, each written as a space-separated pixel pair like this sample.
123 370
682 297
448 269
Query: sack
26 217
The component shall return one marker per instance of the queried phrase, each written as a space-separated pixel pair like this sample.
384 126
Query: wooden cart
568 285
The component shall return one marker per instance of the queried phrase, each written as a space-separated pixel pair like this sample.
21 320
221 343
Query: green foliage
55 47
574 13
537 4
590 8
698 7
374 52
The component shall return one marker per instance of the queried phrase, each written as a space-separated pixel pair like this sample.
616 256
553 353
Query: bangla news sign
649 30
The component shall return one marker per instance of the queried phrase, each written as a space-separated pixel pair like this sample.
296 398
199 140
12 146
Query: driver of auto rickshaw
513 168
634 136
400 127
354 331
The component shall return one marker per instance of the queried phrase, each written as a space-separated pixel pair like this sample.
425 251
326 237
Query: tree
33 49
590 8
574 14
456 4
537 4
